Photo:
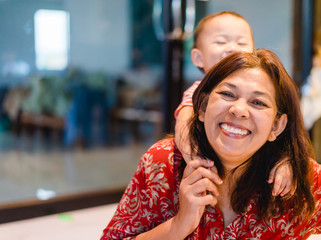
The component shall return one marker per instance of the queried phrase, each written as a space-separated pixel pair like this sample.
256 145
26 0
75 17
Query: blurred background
86 86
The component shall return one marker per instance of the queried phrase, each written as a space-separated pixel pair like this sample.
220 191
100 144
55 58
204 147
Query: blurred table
131 120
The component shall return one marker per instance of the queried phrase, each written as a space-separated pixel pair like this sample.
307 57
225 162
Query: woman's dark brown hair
293 142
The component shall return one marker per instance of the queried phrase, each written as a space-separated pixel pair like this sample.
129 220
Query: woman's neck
225 190
224 203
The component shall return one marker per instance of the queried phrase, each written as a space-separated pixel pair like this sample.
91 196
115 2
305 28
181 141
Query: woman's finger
208 199
204 185
202 172
213 168
194 164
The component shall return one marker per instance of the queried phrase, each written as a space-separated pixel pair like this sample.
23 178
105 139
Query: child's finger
293 188
272 174
286 189
277 186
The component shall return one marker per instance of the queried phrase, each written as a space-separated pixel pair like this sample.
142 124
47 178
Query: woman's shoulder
164 151
161 160
166 144
316 168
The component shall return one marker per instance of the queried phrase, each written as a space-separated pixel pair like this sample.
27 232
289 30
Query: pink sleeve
187 98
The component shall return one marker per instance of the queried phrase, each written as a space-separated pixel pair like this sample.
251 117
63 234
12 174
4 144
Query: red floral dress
152 198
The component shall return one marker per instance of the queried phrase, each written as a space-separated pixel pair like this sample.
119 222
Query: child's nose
232 47
239 109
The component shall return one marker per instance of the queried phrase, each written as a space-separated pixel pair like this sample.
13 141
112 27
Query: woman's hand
281 176
197 189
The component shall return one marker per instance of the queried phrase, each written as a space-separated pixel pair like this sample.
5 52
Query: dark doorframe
173 70
173 60
173 82
303 16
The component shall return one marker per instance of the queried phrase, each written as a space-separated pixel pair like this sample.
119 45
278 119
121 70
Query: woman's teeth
234 130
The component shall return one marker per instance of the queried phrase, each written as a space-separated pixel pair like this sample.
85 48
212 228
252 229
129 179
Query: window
51 39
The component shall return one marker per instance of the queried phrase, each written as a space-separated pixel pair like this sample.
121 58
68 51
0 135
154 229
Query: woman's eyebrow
256 93
230 85
263 94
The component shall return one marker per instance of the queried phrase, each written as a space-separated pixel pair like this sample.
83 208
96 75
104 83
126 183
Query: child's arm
182 115
181 132
281 176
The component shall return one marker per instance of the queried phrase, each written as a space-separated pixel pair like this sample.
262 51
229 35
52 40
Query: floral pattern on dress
151 198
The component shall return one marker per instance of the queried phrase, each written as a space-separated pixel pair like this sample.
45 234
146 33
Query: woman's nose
239 109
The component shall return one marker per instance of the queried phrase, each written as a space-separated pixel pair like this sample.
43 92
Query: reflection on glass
80 95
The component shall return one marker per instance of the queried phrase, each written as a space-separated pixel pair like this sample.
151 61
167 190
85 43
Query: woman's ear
201 115
197 59
279 126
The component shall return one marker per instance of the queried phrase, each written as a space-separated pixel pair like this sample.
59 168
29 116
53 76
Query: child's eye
220 42
242 44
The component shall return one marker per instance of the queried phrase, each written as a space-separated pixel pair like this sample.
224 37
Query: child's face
220 37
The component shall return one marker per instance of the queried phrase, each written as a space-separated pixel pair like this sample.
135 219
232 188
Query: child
217 36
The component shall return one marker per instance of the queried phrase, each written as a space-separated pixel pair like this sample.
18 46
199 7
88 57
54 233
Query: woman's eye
227 94
259 103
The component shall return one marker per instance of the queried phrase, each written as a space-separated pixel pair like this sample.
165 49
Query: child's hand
282 176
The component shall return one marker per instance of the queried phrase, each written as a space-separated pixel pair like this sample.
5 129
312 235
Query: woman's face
241 116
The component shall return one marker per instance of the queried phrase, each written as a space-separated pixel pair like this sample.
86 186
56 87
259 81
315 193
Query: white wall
101 41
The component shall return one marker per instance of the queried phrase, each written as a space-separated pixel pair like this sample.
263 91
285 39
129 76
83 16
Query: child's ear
197 58
278 127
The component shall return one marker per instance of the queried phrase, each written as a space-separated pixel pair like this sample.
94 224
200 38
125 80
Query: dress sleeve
140 208
187 98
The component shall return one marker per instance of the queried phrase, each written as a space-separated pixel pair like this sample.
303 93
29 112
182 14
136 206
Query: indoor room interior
87 86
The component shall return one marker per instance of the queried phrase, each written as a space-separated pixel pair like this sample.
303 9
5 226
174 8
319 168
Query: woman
256 120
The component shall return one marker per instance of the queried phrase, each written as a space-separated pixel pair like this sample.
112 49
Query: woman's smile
233 130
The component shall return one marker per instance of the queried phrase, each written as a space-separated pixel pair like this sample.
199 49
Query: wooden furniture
130 120
42 121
